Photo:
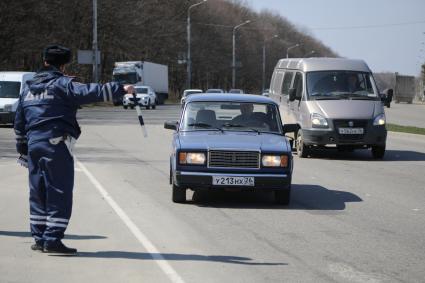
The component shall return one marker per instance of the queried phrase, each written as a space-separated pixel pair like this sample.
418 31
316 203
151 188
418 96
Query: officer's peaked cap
57 55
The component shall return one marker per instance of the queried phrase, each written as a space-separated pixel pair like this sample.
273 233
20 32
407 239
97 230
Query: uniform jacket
49 102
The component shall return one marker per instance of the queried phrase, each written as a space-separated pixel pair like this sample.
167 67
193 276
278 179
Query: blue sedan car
230 141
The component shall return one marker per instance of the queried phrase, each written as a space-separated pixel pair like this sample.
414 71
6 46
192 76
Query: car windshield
9 89
125 78
143 90
330 85
187 93
214 91
231 116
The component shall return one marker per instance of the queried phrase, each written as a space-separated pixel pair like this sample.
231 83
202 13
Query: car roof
229 97
323 64
14 76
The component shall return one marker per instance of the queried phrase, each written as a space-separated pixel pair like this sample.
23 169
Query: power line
370 26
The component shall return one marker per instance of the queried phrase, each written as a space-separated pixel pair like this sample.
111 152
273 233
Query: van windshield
326 85
9 89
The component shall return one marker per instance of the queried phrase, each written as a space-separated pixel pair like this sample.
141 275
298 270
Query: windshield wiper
205 125
327 98
230 125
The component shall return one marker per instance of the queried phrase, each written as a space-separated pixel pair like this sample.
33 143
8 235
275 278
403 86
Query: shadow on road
174 257
21 234
303 197
365 155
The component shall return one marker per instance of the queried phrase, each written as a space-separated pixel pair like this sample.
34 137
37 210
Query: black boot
58 248
38 246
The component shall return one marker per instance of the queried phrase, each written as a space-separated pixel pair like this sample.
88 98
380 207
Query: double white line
146 243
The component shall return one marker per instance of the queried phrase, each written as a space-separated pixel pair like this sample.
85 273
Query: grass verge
405 129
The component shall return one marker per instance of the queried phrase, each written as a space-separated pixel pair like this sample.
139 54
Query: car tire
132 106
179 194
282 196
154 105
148 106
302 150
125 107
378 151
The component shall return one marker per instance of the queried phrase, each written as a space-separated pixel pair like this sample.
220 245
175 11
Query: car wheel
148 106
282 196
179 194
302 150
125 107
378 151
154 105
132 106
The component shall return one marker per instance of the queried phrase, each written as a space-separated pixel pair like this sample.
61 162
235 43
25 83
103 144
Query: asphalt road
406 114
352 219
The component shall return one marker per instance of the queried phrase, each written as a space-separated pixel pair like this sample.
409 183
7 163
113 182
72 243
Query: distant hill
154 31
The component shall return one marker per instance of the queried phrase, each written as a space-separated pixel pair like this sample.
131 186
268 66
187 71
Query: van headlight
274 160
8 108
318 121
380 120
192 158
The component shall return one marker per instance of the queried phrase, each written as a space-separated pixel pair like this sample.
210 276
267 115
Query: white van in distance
11 84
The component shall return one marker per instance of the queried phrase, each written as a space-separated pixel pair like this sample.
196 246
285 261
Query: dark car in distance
230 141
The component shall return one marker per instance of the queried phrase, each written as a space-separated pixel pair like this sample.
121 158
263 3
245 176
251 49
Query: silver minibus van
334 102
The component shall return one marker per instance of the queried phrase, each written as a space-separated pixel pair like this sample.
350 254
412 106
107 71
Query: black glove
22 146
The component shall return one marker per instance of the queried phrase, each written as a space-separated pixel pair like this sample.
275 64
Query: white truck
11 84
404 89
143 73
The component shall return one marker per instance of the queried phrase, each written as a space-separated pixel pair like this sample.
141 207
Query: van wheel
378 151
282 197
179 194
125 106
302 150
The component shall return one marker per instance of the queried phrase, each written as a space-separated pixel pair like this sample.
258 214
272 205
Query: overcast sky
387 34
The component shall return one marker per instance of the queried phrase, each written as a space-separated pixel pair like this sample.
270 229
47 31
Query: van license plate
233 181
351 131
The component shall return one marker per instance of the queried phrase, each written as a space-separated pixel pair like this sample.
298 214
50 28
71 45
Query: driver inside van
353 83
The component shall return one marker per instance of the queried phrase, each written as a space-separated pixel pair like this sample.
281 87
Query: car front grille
233 159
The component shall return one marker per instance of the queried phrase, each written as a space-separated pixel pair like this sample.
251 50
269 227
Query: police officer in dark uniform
46 129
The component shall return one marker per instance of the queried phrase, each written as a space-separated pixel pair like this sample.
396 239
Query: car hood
346 109
205 140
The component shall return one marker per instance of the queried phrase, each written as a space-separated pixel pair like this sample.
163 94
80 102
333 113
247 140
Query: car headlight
8 108
274 160
318 121
379 120
192 158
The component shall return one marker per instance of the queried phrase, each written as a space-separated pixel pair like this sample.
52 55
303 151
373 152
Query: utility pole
95 55
234 52
264 62
189 58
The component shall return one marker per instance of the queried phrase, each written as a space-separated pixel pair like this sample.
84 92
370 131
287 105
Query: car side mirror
292 94
290 128
171 125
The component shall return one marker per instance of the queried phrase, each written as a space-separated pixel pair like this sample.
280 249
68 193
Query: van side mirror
290 128
292 94
387 97
171 125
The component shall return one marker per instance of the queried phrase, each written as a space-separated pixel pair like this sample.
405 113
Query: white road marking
146 243
416 209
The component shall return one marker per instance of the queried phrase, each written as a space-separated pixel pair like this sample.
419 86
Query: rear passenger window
287 82
277 82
